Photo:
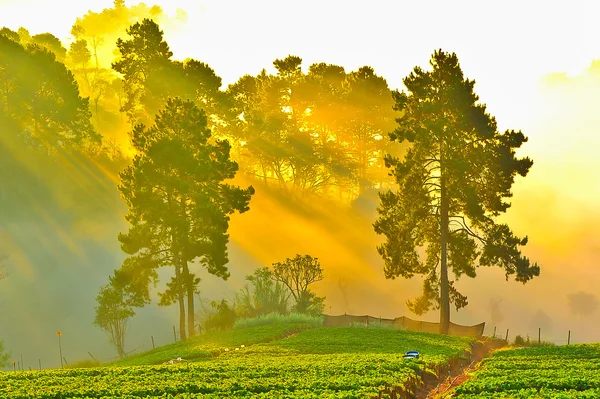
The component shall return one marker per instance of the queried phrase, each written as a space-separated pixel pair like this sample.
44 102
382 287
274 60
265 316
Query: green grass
276 318
277 361
206 346
372 340
571 371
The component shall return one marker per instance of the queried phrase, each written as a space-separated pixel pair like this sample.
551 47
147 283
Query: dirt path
437 388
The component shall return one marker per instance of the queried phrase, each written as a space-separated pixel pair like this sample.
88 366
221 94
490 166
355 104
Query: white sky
502 44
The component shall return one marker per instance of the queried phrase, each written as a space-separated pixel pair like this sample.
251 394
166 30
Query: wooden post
569 339
174 334
539 335
494 331
506 339
152 336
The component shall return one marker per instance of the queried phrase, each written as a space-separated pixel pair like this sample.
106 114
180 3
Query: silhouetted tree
114 309
178 205
79 53
496 314
297 274
50 43
317 132
453 182
582 304
4 356
541 320
10 34
144 52
263 296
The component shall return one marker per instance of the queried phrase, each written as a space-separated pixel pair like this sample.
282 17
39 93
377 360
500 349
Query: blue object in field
411 355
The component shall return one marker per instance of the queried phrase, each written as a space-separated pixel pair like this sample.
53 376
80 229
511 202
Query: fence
404 323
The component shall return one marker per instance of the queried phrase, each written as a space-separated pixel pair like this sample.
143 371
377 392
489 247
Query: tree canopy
452 183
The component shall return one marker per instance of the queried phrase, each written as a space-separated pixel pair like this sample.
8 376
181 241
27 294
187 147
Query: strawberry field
322 362
543 372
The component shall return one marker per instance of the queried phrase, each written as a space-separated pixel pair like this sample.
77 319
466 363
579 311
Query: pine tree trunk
189 282
182 332
444 289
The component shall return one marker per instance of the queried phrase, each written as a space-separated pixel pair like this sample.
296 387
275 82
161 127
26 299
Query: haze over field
535 66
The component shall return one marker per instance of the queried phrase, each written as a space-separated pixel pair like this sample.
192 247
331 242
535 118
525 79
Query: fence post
152 336
494 331
345 319
539 335
506 339
569 339
174 334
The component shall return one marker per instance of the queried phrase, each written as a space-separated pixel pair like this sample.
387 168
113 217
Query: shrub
223 317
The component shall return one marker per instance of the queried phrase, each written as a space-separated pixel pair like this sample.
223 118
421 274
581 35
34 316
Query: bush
263 296
276 318
223 317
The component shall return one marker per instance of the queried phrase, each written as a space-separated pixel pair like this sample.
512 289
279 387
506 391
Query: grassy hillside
275 361
571 371
210 345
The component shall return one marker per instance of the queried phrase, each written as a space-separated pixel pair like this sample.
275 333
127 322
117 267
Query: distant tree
79 53
10 34
178 203
114 309
496 314
316 132
143 52
51 43
4 356
48 119
264 295
297 274
541 320
452 183
582 304
24 35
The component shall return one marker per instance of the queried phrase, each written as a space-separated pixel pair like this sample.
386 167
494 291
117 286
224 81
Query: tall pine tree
178 203
453 181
